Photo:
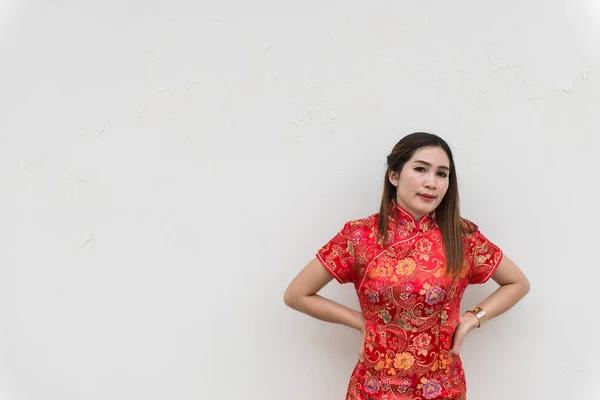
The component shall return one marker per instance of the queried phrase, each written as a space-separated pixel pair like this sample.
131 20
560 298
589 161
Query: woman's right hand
363 330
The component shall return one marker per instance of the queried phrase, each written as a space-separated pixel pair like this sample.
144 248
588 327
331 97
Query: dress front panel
410 305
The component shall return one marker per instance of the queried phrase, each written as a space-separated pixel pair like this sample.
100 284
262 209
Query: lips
426 197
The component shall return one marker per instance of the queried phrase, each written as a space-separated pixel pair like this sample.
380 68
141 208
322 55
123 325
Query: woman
410 264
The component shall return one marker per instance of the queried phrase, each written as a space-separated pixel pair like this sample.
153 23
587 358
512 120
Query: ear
394 177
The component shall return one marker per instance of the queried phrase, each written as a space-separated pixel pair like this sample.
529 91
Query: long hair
453 228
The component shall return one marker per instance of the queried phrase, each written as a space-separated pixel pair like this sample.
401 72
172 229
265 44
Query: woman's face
423 181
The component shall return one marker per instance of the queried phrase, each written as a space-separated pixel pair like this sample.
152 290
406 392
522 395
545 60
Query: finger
455 349
362 345
457 343
361 353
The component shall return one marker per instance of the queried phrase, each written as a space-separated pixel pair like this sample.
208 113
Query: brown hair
452 226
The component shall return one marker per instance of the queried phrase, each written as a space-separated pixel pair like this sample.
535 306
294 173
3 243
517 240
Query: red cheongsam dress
411 307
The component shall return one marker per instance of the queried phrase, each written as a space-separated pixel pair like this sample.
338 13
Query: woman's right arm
301 295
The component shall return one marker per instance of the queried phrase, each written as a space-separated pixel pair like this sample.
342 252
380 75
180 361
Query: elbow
526 287
289 298
294 298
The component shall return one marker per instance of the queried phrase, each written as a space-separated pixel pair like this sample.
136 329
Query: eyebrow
429 164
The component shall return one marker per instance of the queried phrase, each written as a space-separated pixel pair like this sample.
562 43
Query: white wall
166 168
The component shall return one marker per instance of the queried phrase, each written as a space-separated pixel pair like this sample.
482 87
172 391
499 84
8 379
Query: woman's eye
420 169
442 174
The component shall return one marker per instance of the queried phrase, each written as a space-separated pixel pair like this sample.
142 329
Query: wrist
358 321
470 320
480 314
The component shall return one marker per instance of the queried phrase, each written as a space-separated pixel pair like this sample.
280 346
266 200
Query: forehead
435 156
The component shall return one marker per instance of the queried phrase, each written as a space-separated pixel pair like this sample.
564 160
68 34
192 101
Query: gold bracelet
480 314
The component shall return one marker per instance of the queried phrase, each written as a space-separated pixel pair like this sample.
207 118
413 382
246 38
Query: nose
430 182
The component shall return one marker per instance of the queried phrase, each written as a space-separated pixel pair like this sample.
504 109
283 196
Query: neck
416 217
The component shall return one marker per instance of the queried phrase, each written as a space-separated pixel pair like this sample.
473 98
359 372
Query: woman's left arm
514 285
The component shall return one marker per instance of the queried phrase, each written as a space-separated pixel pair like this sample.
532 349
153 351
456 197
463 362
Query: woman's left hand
467 323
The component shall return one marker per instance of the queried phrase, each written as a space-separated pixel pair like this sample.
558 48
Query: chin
426 210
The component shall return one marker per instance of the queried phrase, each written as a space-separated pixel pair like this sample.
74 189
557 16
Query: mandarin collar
406 221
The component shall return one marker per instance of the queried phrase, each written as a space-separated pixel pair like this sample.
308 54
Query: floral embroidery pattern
405 266
411 307
433 294
404 361
421 343
372 385
431 388
385 316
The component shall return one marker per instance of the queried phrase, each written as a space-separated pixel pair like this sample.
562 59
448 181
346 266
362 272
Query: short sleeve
484 258
337 255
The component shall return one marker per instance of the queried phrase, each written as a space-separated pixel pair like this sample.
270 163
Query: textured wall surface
166 168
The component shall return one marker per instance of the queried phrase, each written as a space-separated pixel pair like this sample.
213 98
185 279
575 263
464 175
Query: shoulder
475 240
362 228
364 223
468 226
470 231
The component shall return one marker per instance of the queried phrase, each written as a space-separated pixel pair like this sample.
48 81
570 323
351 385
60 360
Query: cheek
404 185
411 181
444 187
